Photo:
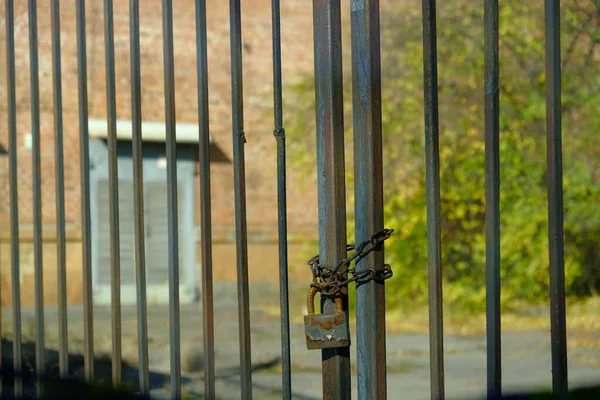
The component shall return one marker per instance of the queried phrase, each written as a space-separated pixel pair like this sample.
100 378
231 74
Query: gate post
368 189
330 174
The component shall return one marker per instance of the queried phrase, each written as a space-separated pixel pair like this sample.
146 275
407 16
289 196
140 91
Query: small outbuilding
155 211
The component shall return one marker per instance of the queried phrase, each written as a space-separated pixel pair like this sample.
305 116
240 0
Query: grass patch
460 323
400 368
583 317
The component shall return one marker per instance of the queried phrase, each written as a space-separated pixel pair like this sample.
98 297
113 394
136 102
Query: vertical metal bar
432 166
555 198
113 184
63 345
239 181
138 196
279 132
330 174
174 318
37 194
205 203
14 194
368 189
88 312
492 198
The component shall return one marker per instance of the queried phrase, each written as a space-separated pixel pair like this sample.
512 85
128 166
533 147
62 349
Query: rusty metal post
330 174
558 326
239 184
368 189
279 132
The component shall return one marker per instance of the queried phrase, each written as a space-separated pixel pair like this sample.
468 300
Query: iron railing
331 192
492 186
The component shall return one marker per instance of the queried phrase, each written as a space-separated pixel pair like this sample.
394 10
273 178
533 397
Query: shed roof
151 131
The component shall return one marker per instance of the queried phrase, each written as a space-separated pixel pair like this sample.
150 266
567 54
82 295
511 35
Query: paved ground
526 355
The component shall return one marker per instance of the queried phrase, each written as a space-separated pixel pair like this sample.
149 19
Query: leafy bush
524 227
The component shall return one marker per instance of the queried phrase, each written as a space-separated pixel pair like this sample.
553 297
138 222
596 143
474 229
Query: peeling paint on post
330 174
368 170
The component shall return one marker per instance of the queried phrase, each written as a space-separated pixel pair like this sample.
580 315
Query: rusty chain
330 281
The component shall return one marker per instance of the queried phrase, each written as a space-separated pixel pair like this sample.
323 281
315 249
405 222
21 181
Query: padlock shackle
310 302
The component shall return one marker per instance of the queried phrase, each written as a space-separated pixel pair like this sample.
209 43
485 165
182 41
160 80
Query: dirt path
526 355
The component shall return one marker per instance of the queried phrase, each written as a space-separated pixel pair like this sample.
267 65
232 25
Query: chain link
330 281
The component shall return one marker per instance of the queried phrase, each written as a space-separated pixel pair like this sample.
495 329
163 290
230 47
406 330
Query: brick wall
262 264
260 150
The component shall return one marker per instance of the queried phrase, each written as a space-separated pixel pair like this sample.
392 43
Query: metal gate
370 270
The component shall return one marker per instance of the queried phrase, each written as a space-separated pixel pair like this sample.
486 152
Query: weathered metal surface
171 152
326 331
555 198
113 184
239 183
138 196
432 172
492 198
279 133
368 189
330 173
331 281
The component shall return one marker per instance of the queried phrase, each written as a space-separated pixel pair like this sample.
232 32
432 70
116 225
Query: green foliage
524 226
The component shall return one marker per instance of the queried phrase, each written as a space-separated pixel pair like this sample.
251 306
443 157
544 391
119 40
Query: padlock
325 331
